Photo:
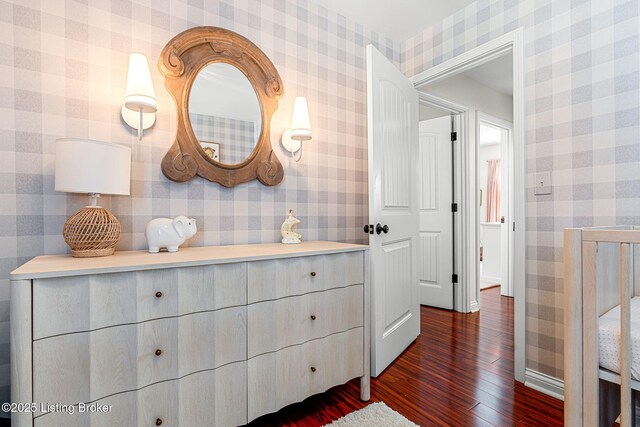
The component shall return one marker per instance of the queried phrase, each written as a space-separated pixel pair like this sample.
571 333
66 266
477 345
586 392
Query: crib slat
590 362
625 337
573 326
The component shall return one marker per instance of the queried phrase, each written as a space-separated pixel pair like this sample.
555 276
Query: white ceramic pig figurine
169 233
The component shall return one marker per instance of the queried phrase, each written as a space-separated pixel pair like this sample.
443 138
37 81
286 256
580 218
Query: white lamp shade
300 123
86 166
140 93
132 118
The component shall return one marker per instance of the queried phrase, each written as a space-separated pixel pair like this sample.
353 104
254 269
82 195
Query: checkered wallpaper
63 72
63 67
582 122
237 138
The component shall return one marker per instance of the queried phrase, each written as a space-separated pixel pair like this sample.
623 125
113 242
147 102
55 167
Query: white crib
599 275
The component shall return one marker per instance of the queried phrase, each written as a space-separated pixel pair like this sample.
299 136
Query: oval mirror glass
225 113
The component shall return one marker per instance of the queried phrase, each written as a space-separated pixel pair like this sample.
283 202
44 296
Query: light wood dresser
209 336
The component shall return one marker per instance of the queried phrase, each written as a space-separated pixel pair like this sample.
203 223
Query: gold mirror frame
180 62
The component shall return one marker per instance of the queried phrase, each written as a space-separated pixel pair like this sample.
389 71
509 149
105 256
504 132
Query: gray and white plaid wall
64 62
64 65
582 121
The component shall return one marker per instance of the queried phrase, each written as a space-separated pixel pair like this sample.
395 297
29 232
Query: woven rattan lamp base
92 232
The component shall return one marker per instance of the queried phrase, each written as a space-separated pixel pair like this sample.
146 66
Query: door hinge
514 226
454 278
454 136
454 207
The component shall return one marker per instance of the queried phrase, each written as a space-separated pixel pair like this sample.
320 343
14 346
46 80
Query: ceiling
399 19
496 74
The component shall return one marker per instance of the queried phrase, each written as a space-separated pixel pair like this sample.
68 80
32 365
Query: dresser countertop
48 266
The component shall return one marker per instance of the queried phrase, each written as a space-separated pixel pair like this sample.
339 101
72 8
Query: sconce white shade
87 166
140 93
132 118
139 109
300 128
300 123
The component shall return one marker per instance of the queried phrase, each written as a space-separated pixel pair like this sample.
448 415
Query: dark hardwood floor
458 372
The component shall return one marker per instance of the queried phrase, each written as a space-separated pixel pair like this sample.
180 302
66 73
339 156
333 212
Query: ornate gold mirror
226 90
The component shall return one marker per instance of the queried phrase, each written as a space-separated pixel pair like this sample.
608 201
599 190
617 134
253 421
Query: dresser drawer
87 366
273 325
278 278
211 398
294 373
84 303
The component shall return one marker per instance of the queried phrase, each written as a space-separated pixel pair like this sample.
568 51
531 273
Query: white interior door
436 221
392 105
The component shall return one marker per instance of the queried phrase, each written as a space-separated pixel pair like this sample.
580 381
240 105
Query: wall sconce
139 109
300 128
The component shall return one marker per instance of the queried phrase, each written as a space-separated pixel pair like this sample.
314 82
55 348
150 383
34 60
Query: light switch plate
542 183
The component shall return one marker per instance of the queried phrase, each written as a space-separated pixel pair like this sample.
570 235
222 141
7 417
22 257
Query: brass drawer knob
313 369
313 317
158 295
158 421
313 274
158 352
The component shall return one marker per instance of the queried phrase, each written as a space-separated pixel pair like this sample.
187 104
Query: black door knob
382 228
368 228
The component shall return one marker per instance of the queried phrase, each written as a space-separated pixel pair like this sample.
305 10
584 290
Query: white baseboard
474 306
544 383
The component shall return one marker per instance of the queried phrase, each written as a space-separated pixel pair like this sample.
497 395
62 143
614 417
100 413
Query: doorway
508 49
436 128
495 210
394 184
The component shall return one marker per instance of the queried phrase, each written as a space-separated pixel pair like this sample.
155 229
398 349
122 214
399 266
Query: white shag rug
375 415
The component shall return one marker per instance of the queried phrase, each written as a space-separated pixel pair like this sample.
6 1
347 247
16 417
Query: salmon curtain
493 191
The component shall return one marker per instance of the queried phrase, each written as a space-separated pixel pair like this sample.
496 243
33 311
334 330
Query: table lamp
93 168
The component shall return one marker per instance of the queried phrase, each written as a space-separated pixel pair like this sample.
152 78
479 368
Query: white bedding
609 339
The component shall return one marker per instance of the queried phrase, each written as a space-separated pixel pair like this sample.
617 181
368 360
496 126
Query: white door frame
506 280
510 42
441 292
462 300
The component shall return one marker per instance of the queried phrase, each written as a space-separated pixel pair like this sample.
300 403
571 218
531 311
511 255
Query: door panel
394 147
436 222
392 104
429 171
429 258
397 261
